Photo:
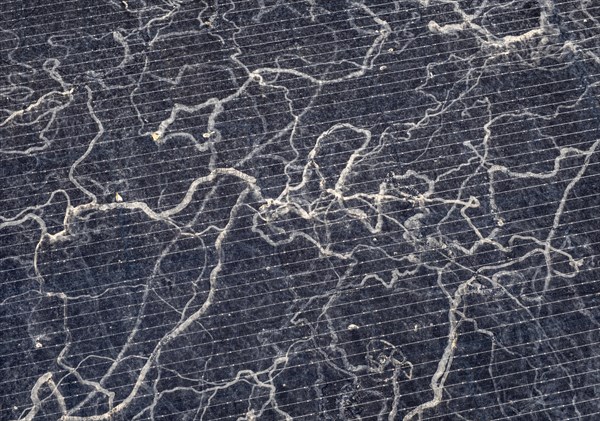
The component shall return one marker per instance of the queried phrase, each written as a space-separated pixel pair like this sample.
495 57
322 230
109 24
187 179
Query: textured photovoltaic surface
299 210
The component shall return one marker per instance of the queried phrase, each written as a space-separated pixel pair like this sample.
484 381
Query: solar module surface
299 210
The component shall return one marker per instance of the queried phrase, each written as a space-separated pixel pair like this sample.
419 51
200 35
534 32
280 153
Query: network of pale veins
291 202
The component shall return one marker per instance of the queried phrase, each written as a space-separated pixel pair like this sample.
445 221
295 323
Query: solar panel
299 210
